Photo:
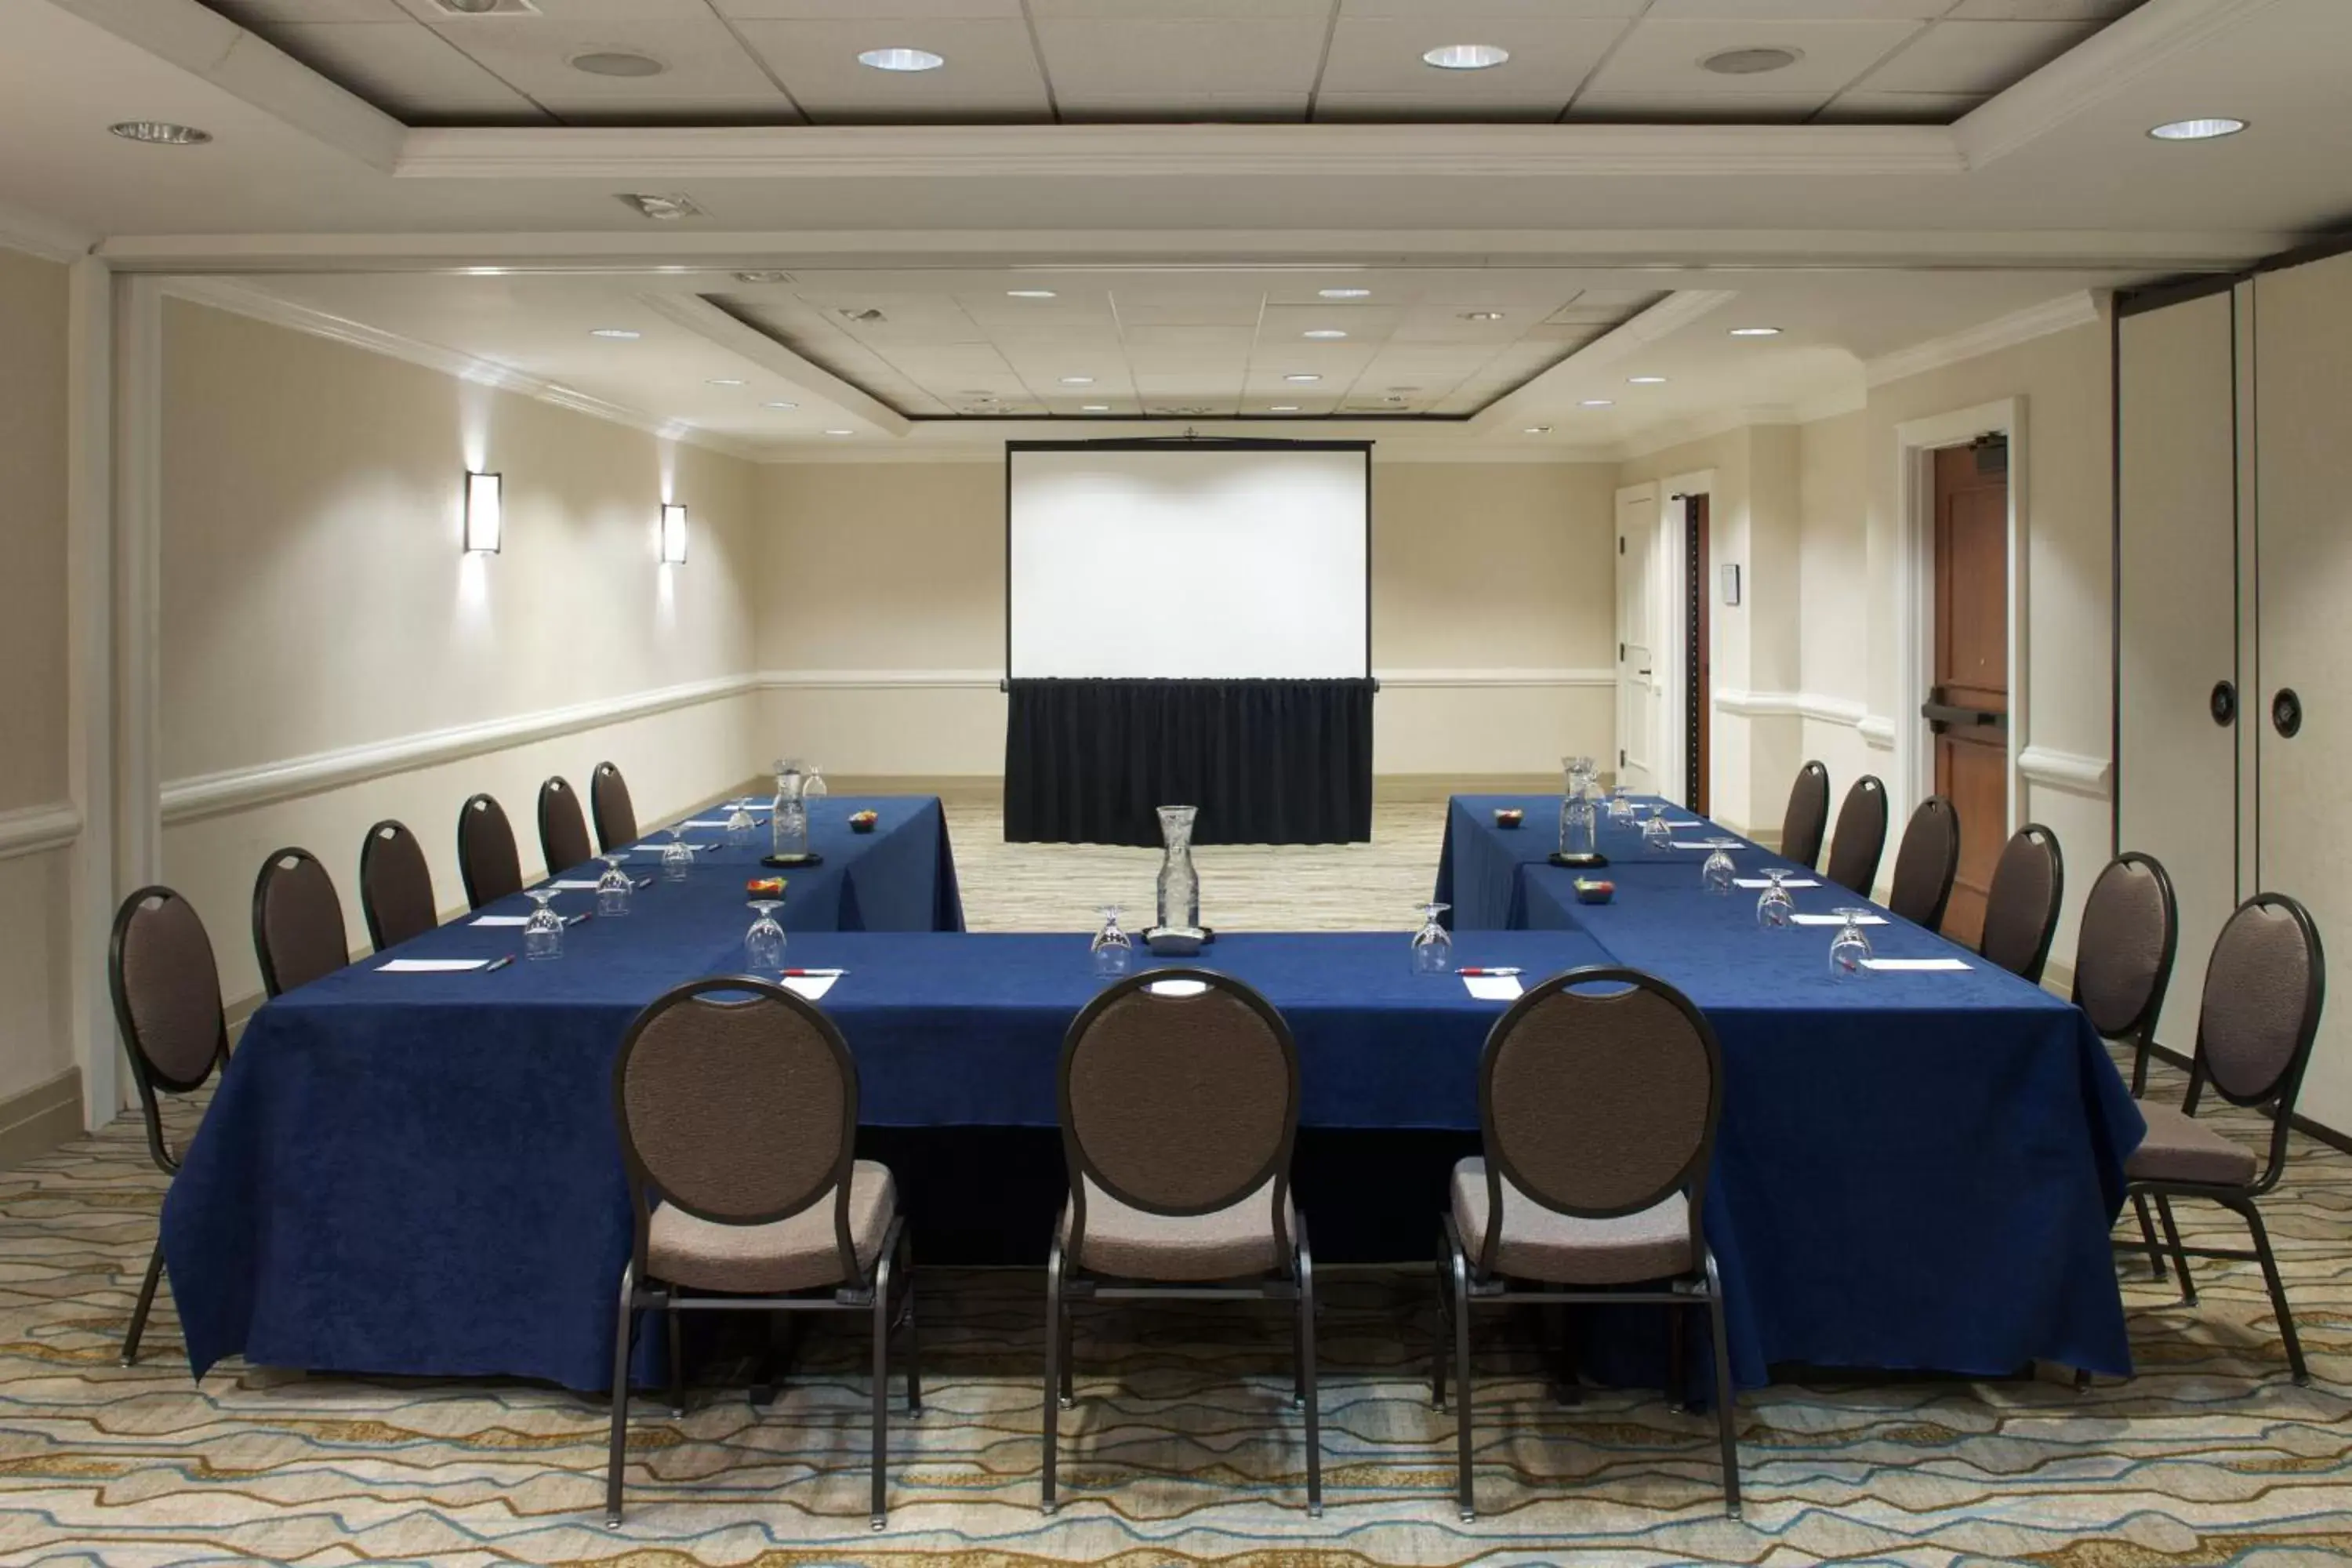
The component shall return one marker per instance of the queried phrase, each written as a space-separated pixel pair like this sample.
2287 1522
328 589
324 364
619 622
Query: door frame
1916 441
1667 673
1673 560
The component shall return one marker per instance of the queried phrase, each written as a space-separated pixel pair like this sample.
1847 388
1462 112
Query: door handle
1944 713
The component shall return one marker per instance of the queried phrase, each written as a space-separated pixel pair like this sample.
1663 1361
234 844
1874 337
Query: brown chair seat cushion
1226 1244
2182 1148
1563 1249
794 1254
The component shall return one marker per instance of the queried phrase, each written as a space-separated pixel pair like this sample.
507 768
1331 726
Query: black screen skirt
1267 762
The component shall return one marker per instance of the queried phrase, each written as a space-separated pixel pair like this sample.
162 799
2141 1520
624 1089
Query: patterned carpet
1183 1449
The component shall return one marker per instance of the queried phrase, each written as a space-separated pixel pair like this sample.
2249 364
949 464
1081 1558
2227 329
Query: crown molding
1175 151
2068 310
35 829
38 234
237 789
243 299
2069 772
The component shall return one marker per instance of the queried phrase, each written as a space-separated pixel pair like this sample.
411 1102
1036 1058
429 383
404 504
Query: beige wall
881 591
1833 578
36 1045
315 600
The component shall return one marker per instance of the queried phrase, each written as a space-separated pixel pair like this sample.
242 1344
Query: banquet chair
563 829
167 1004
2123 967
736 1103
2021 905
1807 816
1598 1113
2265 988
487 857
1178 1096
616 819
1861 836
298 922
1925 862
395 886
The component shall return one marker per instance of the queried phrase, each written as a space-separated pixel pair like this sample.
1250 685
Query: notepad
571 885
1766 881
1914 965
811 986
1837 920
714 823
500 921
1493 987
1682 843
431 965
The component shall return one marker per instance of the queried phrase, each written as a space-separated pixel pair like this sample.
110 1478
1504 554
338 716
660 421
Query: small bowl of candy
1508 816
864 821
765 887
1595 890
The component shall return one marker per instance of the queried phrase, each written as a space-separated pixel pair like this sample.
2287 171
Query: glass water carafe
1179 884
788 825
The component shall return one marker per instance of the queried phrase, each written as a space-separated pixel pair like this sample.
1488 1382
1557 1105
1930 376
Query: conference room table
1914 1168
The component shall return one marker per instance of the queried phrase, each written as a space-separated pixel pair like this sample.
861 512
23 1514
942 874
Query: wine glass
613 889
1112 950
763 944
1433 944
1719 871
1848 949
1620 804
1775 906
542 933
678 857
1655 832
742 828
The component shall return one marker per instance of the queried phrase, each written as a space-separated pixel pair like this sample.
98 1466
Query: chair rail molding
37 829
1877 731
1791 704
967 680
237 789
2071 772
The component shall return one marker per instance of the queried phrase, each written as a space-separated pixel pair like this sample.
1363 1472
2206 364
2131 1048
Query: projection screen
1188 560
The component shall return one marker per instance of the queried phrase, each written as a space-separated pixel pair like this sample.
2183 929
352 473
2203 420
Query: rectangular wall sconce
484 518
673 534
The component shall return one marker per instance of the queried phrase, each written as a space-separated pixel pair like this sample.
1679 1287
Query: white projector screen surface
1188 563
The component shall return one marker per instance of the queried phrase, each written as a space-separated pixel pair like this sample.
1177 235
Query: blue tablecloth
1914 1170
417 1172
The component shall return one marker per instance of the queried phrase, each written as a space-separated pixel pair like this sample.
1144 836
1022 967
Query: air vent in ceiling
486 7
1751 62
763 278
867 318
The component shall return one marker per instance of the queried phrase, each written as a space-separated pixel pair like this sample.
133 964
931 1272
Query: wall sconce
485 516
673 534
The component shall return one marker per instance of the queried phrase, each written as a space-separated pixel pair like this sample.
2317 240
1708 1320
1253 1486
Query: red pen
812 974
1486 972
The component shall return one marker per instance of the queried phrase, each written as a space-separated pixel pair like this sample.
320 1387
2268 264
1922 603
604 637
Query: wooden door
1638 763
1970 703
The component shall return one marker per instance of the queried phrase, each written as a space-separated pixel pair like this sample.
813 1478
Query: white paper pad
1913 965
1493 987
572 885
431 965
1766 881
812 986
1837 920
719 822
500 921
1728 848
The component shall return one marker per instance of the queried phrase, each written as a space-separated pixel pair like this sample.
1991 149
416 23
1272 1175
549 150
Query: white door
1639 765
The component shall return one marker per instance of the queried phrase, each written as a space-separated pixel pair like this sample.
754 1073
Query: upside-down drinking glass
678 857
1717 873
812 788
742 827
1112 951
763 944
1848 949
1775 906
1433 944
1620 804
613 889
542 933
1656 833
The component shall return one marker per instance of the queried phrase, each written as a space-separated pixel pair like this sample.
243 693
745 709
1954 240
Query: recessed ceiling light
1596 403
1344 293
161 132
1029 294
1284 408
902 60
1466 57
1077 381
1645 380
1482 315
841 432
725 381
1301 377
780 404
1323 333
624 334
1536 430
2197 130
617 62
763 278
1755 332
1751 62
1094 407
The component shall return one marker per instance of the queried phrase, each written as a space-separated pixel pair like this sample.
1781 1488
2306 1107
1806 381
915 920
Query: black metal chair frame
150 1079
1869 783
607 839
1466 1281
271 869
1813 775
465 860
377 836
2140 1032
2280 1095
885 1292
1951 868
1065 1282
2041 836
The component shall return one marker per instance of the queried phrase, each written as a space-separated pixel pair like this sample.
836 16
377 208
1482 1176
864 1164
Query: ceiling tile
710 75
1665 56
868 10
2043 10
251 11
992 71
1470 12
1549 59
1976 57
1866 108
1316 11
1160 109
1246 59
406 70
1694 108
562 12
1799 10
